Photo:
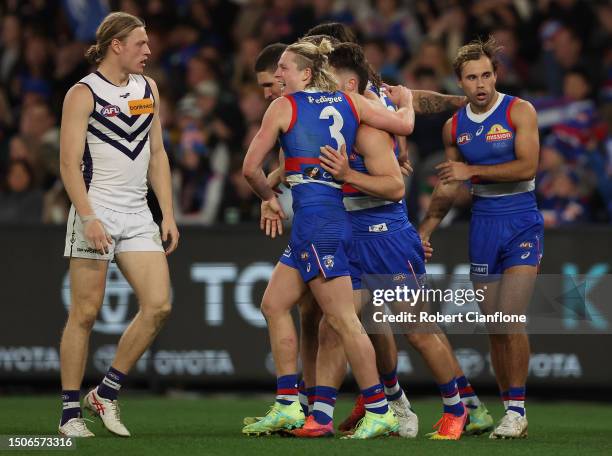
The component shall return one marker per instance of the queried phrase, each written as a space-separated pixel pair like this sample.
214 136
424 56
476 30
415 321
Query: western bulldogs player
312 115
494 142
110 141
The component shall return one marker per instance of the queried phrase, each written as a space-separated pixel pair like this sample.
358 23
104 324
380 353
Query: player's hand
451 171
399 95
96 235
335 162
170 232
272 216
406 167
427 248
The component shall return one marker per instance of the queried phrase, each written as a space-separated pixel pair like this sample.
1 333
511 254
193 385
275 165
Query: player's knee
85 316
328 337
159 311
269 309
419 341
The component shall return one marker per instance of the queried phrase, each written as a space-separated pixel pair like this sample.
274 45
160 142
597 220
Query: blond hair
117 25
314 56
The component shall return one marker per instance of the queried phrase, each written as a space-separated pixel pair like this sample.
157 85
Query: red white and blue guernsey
506 228
321 240
386 242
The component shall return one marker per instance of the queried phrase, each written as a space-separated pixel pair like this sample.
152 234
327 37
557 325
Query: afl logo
464 138
110 111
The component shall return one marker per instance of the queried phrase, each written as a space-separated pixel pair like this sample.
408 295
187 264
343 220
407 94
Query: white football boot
408 421
75 427
107 411
513 425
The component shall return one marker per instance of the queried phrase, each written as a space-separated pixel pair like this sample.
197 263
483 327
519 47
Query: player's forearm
515 170
275 178
428 102
72 177
441 202
258 182
385 187
161 182
407 116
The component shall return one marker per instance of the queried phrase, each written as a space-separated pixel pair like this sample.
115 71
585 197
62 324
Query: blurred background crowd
556 54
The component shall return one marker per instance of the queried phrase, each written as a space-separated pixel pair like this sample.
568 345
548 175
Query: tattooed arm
428 102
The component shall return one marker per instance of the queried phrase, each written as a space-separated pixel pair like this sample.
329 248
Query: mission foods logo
498 133
144 106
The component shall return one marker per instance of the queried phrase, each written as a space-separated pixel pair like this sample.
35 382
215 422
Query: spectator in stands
20 200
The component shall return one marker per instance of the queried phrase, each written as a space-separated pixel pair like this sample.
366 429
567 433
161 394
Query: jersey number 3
336 126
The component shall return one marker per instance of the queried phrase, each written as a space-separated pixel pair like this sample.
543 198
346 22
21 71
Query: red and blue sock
71 407
310 393
516 400
392 388
451 399
303 397
505 396
111 384
467 394
286 389
324 403
374 399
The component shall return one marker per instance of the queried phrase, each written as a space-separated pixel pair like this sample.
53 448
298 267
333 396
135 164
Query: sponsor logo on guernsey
304 255
378 228
479 269
498 133
110 110
328 261
125 95
142 106
525 255
324 99
353 156
311 172
526 245
308 267
464 138
399 277
479 131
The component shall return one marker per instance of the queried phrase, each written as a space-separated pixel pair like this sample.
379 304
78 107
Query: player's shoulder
521 110
79 92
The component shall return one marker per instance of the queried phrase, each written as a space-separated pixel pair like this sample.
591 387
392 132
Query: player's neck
478 110
113 74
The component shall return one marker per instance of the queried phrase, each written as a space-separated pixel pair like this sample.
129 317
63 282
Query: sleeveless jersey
116 156
370 214
488 139
318 119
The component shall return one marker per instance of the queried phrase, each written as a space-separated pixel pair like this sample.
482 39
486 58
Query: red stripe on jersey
454 128
348 188
293 111
293 163
350 102
508 109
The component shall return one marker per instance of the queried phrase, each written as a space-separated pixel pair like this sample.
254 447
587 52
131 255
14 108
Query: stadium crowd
556 53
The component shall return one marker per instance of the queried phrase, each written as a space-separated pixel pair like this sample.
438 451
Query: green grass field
211 426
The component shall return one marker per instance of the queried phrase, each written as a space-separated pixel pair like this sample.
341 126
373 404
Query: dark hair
474 51
27 166
335 30
267 60
117 25
349 56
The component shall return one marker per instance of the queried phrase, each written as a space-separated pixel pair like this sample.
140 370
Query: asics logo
480 130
